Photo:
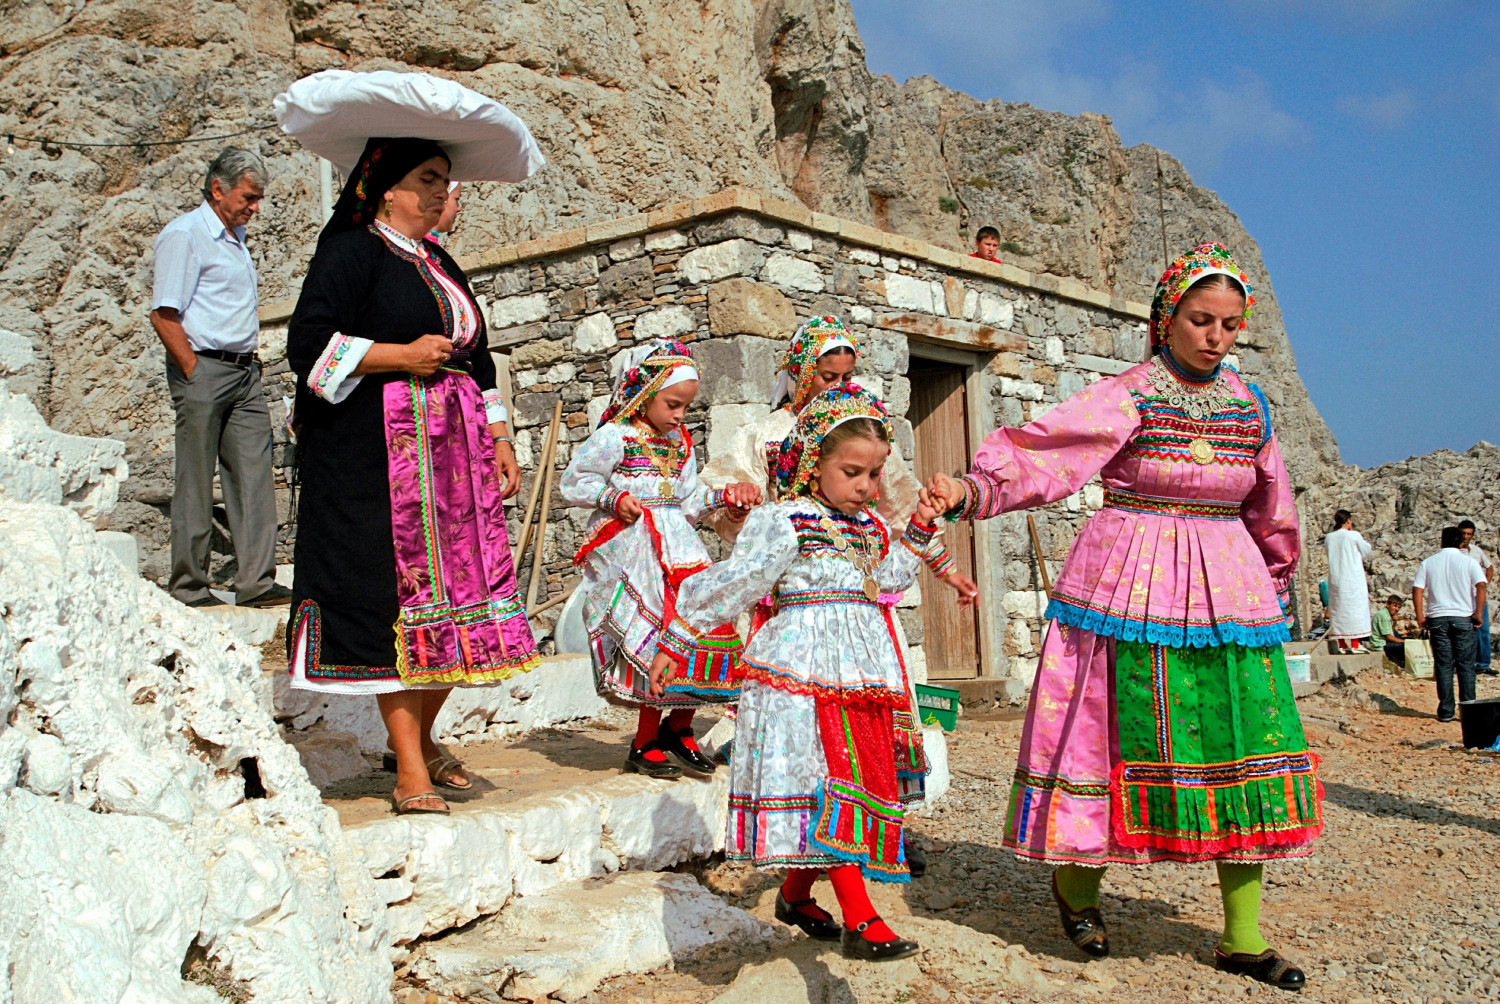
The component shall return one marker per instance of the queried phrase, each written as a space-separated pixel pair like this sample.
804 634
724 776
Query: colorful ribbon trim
1129 501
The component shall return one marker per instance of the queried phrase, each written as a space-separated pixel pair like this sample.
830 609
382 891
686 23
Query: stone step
562 943
442 872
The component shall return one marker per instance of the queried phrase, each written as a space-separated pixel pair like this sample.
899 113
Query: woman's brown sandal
1085 928
1268 967
404 806
442 769
446 772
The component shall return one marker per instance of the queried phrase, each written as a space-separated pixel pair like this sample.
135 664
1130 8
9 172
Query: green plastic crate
938 704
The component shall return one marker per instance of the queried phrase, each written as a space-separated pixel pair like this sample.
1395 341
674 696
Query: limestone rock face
636 103
147 800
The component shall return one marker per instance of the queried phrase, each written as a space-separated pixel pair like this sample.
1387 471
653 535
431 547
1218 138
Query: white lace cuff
494 407
332 376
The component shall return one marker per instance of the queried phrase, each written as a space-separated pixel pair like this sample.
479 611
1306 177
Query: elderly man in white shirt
1447 594
203 307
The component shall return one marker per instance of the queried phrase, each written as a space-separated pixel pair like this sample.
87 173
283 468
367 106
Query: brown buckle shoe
1268 967
1084 928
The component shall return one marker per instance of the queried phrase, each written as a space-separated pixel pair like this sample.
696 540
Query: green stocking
1079 885
1240 887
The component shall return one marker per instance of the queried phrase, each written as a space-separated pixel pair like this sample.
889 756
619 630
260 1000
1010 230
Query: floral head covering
829 410
1201 262
643 371
383 164
814 339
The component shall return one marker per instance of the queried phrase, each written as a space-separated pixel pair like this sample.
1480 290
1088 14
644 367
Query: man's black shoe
207 601
277 596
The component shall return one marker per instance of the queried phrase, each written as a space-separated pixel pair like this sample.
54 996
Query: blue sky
1358 140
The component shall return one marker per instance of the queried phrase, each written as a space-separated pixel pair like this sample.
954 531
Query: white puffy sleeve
717 595
697 498
911 549
586 481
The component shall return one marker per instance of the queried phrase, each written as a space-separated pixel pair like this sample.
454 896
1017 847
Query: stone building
956 346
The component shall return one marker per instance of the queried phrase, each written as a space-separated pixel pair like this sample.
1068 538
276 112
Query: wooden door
939 415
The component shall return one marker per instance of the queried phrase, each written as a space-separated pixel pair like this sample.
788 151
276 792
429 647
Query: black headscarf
384 163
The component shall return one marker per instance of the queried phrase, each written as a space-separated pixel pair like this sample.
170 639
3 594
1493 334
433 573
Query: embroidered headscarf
812 341
1198 264
643 371
383 164
829 410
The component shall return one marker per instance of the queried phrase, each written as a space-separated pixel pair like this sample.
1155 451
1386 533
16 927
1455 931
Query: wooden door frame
985 576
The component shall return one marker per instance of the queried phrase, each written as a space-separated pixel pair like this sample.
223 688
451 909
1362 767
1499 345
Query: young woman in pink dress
1162 725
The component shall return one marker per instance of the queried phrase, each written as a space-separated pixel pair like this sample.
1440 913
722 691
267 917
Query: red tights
848 887
648 727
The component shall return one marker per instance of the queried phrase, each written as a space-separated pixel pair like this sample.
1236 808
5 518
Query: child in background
639 473
813 782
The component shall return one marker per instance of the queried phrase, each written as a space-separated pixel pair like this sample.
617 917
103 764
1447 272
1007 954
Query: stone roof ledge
746 200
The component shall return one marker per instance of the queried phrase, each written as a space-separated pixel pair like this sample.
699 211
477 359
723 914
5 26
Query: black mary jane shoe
687 758
636 763
1268 967
1084 928
916 861
856 946
817 928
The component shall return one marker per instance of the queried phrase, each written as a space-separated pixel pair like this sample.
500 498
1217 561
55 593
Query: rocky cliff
637 103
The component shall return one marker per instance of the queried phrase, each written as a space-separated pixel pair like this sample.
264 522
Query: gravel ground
1399 903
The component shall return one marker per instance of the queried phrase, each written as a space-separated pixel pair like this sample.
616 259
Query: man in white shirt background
1447 594
203 307
1473 550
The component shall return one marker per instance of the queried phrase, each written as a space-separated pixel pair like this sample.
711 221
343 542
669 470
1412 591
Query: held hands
740 496
628 509
942 492
926 513
968 590
425 355
660 666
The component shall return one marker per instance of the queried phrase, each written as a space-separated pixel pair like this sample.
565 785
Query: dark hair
855 428
1453 537
1393 598
987 232
1341 517
842 350
1467 524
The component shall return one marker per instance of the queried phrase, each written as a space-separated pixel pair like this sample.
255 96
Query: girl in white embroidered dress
640 476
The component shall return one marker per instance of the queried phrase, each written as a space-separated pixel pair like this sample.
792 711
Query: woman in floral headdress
813 785
639 475
822 355
1162 725
404 585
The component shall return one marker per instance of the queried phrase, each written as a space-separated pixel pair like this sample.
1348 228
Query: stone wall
733 274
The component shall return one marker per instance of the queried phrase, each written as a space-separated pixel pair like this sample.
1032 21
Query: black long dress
345 596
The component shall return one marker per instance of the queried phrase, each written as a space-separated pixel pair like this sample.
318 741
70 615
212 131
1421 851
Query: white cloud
1390 111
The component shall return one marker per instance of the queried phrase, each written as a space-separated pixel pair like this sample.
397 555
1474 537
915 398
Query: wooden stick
541 523
1041 562
561 597
548 446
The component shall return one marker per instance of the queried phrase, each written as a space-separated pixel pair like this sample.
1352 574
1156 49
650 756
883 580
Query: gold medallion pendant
1200 451
667 491
872 589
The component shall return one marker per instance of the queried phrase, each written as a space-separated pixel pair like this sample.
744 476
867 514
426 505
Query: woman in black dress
404 584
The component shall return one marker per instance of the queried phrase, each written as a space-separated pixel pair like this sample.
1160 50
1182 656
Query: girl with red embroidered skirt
1162 725
813 778
823 354
404 585
640 476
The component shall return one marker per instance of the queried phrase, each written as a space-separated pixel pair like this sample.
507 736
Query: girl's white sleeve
717 595
697 498
586 481
896 573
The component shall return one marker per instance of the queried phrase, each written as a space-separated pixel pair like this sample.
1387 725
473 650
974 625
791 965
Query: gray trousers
222 418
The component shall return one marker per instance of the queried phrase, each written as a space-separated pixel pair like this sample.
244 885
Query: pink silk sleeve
1052 457
1270 514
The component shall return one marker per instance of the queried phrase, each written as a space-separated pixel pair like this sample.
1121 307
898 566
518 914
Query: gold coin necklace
862 557
664 459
